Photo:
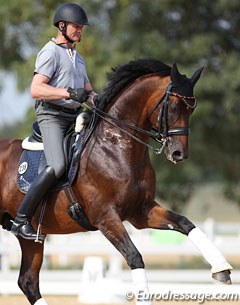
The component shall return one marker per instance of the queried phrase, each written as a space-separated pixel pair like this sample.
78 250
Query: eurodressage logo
143 296
22 168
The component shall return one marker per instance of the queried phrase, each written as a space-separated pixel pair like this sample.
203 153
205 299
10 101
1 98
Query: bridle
159 134
162 121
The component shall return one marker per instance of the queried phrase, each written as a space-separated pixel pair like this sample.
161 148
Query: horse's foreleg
28 281
113 229
156 217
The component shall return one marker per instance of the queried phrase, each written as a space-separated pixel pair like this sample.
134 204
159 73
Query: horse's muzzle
176 152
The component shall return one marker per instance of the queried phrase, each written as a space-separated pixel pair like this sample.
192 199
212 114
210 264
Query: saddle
33 160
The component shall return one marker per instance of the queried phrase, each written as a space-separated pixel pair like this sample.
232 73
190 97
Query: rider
58 69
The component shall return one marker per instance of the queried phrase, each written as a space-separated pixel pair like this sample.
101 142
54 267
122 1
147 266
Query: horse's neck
131 105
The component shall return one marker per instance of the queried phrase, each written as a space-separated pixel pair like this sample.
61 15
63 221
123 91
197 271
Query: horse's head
172 118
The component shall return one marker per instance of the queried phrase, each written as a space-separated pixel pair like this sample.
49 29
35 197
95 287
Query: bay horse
115 182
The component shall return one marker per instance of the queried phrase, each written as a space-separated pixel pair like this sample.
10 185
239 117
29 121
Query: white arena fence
225 235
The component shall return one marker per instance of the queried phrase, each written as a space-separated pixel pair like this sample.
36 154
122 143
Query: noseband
163 129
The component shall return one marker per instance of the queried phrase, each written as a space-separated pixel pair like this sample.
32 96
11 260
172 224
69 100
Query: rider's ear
196 76
61 25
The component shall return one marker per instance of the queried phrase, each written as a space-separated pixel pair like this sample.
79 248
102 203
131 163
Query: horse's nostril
177 155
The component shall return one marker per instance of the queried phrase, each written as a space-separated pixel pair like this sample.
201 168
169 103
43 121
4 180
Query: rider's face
74 31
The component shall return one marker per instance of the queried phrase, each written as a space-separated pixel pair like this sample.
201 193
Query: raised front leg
28 281
156 217
113 229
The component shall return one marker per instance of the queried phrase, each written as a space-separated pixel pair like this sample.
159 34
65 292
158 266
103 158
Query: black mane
123 75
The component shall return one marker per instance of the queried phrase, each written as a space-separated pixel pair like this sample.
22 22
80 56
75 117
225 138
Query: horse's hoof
223 277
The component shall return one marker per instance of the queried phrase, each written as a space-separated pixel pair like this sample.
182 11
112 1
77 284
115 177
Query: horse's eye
174 108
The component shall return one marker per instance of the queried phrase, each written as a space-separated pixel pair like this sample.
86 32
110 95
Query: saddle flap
32 162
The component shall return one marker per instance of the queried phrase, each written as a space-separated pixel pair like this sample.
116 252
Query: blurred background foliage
191 33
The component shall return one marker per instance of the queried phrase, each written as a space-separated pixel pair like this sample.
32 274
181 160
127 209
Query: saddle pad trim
32 145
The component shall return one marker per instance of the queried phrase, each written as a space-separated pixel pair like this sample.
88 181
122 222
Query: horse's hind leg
156 217
113 229
28 281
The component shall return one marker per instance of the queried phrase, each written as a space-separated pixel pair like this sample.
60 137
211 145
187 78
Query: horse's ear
196 76
175 75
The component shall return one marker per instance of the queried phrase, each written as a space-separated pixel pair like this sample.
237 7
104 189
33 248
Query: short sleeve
46 63
86 79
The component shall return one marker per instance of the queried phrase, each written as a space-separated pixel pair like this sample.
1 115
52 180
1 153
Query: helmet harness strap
63 29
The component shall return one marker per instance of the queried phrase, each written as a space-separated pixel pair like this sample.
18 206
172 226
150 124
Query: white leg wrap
140 286
210 252
41 302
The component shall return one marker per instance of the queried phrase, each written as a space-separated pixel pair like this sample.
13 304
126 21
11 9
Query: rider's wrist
67 97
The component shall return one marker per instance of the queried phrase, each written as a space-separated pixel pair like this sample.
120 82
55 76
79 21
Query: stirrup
19 229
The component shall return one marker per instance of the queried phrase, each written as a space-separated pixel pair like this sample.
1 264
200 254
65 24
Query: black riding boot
22 223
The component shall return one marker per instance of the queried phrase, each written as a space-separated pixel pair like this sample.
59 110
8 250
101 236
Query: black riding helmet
70 12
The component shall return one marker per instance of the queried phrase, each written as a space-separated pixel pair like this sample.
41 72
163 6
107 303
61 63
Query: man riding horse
58 69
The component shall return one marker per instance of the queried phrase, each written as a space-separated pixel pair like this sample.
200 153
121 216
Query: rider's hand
80 94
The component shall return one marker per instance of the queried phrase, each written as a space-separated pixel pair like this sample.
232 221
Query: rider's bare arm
40 89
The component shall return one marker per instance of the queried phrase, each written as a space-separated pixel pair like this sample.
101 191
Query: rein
108 118
162 130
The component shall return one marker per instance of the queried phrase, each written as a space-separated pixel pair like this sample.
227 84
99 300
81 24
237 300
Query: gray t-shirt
64 67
